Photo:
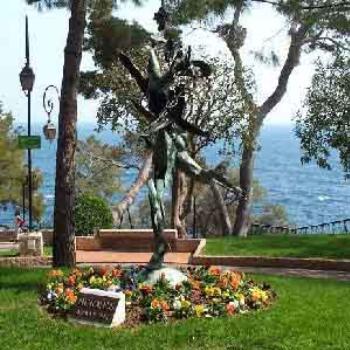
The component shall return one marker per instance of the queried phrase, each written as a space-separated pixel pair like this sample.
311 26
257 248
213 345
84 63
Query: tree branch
128 199
309 7
134 71
234 45
292 60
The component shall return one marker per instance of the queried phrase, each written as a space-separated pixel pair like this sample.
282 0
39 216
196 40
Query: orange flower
77 273
70 296
255 296
145 288
68 292
71 280
159 304
195 284
235 280
58 290
214 271
164 305
117 273
223 282
55 273
155 304
230 309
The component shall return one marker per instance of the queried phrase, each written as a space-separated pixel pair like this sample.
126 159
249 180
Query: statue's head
162 17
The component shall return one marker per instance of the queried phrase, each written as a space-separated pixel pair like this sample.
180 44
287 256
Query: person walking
19 221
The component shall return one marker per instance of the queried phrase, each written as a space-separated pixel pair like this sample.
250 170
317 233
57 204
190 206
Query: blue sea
309 194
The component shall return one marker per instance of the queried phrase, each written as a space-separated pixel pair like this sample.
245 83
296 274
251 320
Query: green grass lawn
325 246
8 252
15 252
309 314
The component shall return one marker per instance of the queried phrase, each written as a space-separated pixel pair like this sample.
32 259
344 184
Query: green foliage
326 123
208 211
13 174
91 213
112 34
98 169
11 161
272 215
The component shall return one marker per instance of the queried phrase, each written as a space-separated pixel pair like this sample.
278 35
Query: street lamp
27 78
49 128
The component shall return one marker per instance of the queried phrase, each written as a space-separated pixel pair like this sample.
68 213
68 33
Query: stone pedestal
31 244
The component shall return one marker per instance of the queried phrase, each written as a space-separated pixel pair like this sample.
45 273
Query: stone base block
31 244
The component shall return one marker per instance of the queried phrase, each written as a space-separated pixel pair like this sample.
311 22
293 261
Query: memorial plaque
99 308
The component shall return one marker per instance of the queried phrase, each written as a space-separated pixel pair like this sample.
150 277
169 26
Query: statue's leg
163 166
158 224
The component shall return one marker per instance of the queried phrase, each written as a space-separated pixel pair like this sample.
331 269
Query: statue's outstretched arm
192 168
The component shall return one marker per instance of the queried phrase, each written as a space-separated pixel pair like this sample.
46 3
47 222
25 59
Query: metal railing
338 226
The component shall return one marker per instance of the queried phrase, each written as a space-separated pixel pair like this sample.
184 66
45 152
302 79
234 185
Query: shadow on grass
21 280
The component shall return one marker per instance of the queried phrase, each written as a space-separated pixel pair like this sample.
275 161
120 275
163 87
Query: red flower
103 271
230 309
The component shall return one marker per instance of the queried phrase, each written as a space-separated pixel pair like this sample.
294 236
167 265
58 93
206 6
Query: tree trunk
64 230
242 223
143 176
179 193
241 226
225 221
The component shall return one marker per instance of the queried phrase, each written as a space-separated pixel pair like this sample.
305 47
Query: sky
48 32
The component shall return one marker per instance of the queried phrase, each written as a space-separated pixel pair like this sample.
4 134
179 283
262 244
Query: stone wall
134 241
26 261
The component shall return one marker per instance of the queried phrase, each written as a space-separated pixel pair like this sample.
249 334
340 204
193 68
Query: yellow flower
264 296
209 291
258 295
226 294
240 297
128 293
217 291
185 304
199 310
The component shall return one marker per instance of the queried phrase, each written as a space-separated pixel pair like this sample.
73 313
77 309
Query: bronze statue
166 103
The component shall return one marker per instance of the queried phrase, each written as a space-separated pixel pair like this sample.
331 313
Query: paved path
112 257
8 245
181 259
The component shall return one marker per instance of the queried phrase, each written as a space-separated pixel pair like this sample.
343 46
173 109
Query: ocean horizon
309 194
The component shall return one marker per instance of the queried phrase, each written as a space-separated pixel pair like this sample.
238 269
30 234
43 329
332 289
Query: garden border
263 261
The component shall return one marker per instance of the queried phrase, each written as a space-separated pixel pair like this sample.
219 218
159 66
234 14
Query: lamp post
49 128
27 78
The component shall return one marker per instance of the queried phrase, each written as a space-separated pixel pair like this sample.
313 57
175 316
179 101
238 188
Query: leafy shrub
91 213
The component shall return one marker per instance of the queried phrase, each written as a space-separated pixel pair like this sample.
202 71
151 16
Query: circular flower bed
208 292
